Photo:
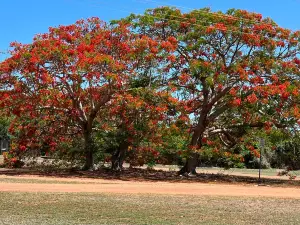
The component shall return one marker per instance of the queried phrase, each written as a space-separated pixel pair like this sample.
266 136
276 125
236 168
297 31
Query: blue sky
20 20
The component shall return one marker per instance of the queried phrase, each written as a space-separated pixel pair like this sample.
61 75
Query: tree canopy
219 74
233 69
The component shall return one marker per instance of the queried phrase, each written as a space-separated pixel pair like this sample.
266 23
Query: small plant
288 173
12 161
151 164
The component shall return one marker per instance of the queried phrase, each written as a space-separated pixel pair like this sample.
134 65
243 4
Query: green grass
264 172
268 172
56 208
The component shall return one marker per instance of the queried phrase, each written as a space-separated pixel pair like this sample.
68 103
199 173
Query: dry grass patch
61 208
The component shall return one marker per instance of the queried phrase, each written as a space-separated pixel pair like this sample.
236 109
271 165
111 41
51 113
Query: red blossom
22 148
252 98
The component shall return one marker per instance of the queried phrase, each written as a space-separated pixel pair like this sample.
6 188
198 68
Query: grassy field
267 172
49 208
94 208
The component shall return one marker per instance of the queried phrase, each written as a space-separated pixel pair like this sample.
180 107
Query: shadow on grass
135 174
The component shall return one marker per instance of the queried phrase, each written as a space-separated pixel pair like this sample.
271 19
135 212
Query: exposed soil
148 182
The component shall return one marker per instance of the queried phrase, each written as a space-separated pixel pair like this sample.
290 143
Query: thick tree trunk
203 122
88 150
119 156
190 165
193 161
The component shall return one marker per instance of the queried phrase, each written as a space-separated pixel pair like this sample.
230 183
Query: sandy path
133 187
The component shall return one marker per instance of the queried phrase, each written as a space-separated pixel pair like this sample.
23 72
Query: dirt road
46 184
